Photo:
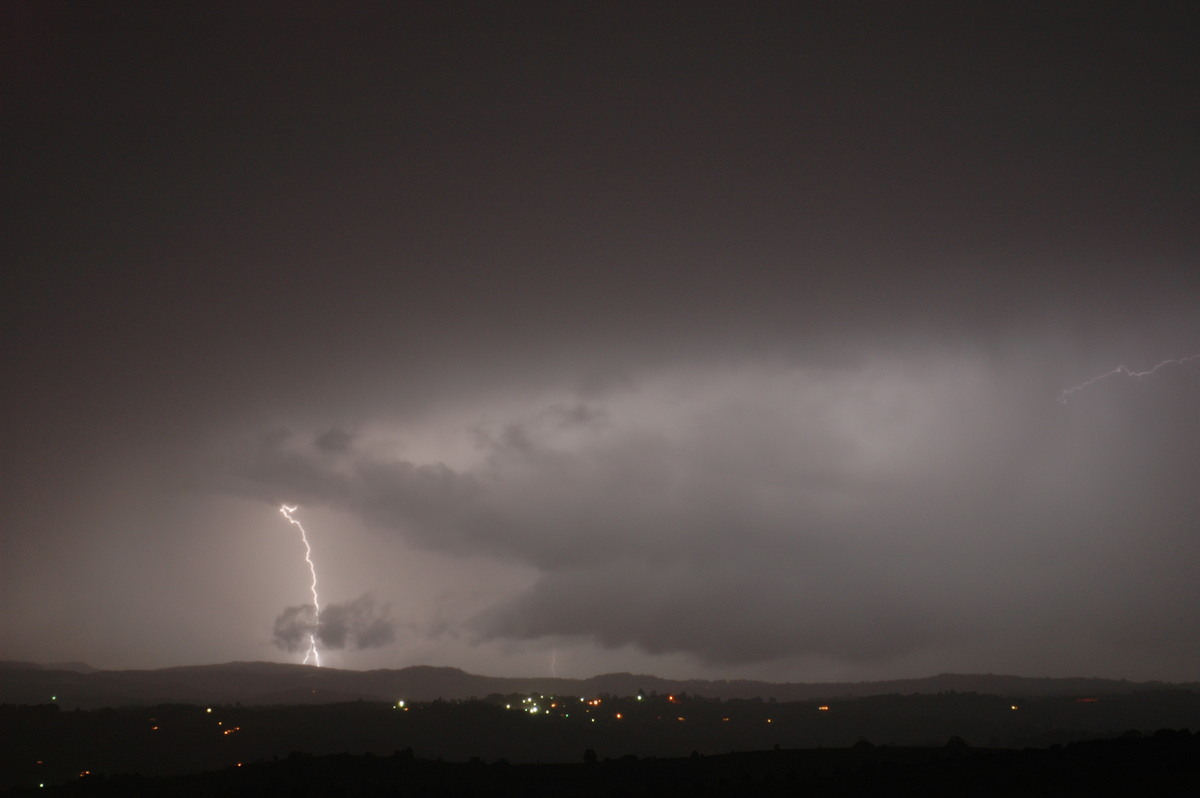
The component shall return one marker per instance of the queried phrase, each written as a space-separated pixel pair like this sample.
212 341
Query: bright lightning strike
312 637
1065 396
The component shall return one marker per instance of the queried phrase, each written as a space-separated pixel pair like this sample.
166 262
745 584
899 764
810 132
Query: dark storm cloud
740 609
356 624
741 331
293 627
334 441
863 513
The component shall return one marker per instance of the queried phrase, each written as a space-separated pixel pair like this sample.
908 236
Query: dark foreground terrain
653 744
1165 763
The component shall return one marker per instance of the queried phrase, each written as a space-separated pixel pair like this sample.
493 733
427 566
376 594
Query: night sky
715 340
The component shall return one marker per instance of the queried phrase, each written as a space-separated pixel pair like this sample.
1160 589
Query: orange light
618 716
823 708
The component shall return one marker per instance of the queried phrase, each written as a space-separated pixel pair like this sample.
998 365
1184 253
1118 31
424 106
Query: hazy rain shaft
705 342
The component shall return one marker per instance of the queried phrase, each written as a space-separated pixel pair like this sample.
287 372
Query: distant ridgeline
76 685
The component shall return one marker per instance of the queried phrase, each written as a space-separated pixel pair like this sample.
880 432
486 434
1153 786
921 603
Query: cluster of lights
225 731
530 705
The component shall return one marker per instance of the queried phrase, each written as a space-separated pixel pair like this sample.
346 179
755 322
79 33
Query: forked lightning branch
1067 393
312 653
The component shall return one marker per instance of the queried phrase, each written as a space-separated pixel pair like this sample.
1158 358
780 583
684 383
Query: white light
312 638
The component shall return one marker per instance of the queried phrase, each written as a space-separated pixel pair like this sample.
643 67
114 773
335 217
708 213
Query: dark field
947 743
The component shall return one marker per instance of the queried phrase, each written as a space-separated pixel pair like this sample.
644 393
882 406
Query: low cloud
356 624
334 441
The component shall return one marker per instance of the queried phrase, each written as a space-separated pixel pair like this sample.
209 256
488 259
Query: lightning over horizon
312 652
1065 395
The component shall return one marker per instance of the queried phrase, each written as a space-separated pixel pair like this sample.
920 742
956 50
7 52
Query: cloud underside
862 512
356 624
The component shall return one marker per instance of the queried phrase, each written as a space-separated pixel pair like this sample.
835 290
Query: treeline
1164 763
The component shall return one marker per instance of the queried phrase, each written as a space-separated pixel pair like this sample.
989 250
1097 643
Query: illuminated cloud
356 624
862 512
735 336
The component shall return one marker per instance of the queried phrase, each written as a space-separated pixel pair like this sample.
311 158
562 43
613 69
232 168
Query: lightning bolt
312 637
1065 396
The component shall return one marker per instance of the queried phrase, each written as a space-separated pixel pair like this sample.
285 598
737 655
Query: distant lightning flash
312 637
1065 396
